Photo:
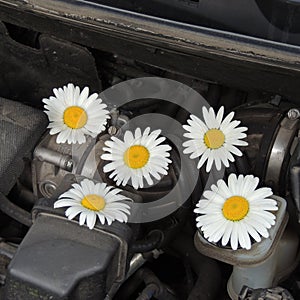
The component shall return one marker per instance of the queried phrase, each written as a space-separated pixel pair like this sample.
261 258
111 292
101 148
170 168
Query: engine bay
149 73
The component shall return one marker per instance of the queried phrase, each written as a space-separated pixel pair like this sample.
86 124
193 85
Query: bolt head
293 114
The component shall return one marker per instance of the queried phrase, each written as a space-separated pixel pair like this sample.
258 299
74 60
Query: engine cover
21 127
58 259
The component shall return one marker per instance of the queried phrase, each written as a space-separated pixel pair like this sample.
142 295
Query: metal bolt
293 114
69 165
49 188
112 130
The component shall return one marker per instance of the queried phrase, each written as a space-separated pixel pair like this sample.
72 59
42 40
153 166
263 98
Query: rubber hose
152 241
206 287
14 211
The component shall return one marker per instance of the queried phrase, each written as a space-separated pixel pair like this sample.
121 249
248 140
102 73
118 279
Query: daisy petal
138 158
235 211
213 140
72 114
91 200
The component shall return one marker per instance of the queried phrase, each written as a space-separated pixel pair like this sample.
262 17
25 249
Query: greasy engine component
53 161
265 264
154 288
272 136
65 62
277 293
46 44
58 259
21 127
7 252
295 180
205 287
73 263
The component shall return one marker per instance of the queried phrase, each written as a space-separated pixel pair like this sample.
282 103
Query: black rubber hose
208 283
154 287
14 211
152 241
207 287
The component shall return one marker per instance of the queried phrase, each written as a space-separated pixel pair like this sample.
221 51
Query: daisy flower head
74 114
215 139
139 156
92 200
236 212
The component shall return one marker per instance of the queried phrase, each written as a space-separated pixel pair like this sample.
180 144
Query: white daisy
137 157
236 211
213 140
74 114
91 200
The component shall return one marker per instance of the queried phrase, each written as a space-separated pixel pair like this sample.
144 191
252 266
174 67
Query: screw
69 165
293 114
49 188
112 130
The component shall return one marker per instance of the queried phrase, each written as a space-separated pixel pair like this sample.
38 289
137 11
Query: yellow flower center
75 117
136 156
214 138
235 208
93 202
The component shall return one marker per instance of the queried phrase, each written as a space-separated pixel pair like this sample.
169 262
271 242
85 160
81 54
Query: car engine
152 69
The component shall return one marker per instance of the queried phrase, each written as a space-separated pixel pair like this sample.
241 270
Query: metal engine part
277 293
273 153
52 162
70 261
73 263
273 134
46 44
272 137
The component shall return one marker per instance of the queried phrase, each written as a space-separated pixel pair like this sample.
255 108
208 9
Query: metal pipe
62 161
154 287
